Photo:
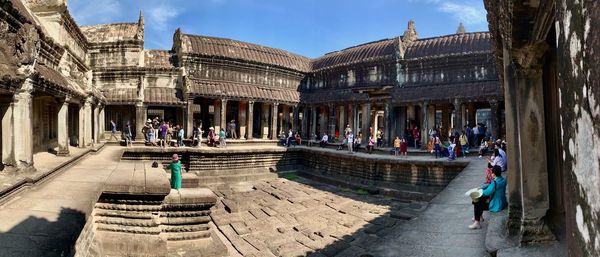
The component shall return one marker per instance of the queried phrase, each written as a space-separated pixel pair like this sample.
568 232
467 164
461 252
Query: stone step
176 236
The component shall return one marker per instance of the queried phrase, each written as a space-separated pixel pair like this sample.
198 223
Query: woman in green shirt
175 168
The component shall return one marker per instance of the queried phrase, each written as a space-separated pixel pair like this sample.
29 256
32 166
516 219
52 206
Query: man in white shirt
350 141
324 140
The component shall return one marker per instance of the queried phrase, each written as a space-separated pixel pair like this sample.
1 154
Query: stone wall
578 33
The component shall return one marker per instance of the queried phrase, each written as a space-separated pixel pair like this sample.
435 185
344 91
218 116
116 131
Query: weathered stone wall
112 57
451 69
362 74
578 32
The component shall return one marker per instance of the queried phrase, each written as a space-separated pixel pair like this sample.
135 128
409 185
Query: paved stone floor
278 217
46 220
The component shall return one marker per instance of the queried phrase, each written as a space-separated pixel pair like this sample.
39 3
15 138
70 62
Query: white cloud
467 13
93 12
160 16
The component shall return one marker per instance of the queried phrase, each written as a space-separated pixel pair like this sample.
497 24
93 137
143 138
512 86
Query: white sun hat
474 193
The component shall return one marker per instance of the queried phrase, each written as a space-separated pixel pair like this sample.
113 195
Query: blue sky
306 27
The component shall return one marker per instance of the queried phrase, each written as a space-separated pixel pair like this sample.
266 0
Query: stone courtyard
285 216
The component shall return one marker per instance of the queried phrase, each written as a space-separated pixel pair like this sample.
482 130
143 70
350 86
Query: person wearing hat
492 197
175 167
211 136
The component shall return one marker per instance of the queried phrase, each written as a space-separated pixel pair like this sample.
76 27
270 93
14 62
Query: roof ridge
356 46
450 35
109 24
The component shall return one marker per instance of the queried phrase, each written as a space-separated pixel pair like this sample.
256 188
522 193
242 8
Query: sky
306 27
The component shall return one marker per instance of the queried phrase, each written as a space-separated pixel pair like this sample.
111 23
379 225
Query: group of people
492 195
161 133
290 139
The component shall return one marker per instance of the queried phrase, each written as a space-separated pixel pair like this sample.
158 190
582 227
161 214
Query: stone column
250 120
387 123
101 122
445 123
355 119
189 118
305 122
217 116
81 128
457 115
431 118
341 120
313 121
533 166
494 119
242 119
275 116
472 114
402 120
63 128
265 121
88 122
140 120
366 122
223 121
332 120
8 154
285 121
424 124
23 129
295 118
95 118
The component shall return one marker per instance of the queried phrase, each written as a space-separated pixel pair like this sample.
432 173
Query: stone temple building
61 83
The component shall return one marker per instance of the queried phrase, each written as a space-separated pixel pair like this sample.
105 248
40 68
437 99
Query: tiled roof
233 90
107 33
449 45
483 90
335 95
121 95
57 80
163 96
158 59
362 53
233 49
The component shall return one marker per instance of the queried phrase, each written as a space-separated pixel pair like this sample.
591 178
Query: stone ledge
137 181
191 196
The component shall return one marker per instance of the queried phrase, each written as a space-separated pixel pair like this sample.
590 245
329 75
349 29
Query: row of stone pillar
17 128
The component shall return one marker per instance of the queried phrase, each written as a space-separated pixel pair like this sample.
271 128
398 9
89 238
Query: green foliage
361 191
291 177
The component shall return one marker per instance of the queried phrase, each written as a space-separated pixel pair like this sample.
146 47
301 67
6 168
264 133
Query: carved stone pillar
313 121
81 127
88 121
532 166
63 128
95 121
387 123
275 116
8 151
332 120
366 124
250 120
494 119
295 118
223 120
425 124
140 120
355 119
101 122
285 121
242 119
341 120
305 122
22 118
265 121
457 115
217 116
189 118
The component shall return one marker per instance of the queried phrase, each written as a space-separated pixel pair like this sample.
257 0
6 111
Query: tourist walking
151 134
113 130
350 141
127 135
198 135
298 139
492 197
211 137
222 142
175 167
464 142
180 135
416 136
163 130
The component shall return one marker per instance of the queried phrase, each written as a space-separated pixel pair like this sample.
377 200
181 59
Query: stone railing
138 214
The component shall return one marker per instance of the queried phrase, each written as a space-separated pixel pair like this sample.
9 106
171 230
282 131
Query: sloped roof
163 96
121 95
450 45
233 90
57 80
158 59
233 49
377 50
332 95
108 33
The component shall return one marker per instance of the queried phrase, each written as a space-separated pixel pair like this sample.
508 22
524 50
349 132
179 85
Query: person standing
403 147
232 129
127 134
113 130
379 138
464 142
163 130
222 142
416 136
350 141
290 138
397 142
180 135
324 140
175 167
371 144
437 146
